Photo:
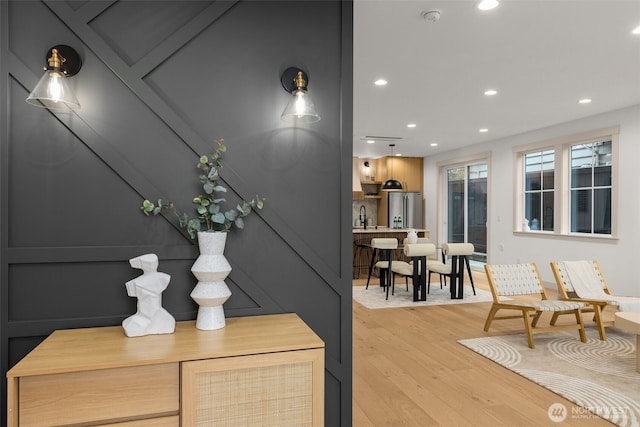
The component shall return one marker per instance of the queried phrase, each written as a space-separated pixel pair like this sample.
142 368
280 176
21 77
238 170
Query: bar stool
361 249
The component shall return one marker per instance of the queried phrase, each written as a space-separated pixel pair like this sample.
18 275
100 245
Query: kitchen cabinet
408 170
259 370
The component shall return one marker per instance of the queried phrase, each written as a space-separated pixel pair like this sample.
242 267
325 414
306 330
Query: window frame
542 190
562 174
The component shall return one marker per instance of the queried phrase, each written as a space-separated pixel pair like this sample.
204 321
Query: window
538 189
567 186
591 188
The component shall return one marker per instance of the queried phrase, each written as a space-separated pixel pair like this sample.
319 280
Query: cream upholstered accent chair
406 269
384 248
461 251
517 281
382 264
584 281
416 269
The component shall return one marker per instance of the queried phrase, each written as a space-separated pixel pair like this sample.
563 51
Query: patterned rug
374 297
598 376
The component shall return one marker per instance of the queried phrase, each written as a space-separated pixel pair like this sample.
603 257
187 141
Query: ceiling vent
382 138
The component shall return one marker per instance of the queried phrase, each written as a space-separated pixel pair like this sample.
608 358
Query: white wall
620 259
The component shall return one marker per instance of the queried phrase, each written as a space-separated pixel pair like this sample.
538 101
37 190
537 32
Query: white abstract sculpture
150 318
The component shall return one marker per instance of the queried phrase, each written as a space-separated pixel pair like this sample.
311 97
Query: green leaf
218 218
208 187
201 210
213 174
244 209
214 209
147 206
259 203
194 225
231 215
239 222
220 188
157 210
204 160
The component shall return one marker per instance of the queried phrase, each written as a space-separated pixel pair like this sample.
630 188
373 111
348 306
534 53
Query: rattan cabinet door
282 389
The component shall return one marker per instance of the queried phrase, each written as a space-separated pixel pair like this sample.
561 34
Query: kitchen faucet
363 216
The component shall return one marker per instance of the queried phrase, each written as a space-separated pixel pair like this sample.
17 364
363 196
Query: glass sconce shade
53 91
300 106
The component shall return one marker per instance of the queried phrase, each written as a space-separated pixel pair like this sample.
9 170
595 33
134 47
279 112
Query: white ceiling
540 55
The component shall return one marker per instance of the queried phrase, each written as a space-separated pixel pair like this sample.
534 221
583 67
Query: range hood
356 175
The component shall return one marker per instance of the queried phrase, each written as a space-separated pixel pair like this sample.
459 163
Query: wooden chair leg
528 327
583 336
554 318
492 313
536 318
597 312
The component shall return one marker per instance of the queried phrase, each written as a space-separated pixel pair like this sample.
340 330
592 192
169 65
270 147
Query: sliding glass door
466 206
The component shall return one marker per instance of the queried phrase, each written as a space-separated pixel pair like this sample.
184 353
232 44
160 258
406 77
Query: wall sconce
53 91
366 164
300 106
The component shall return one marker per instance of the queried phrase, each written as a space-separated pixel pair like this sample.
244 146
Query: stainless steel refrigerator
406 206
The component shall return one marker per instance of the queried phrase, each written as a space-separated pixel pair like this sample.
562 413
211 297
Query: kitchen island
362 240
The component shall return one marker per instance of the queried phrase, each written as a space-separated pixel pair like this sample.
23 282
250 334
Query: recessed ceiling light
411 125
380 82
636 30
490 92
483 130
584 101
488 4
370 141
433 144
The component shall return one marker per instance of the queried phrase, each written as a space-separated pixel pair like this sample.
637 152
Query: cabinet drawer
152 422
268 390
115 395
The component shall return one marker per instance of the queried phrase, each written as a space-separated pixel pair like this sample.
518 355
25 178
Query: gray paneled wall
161 80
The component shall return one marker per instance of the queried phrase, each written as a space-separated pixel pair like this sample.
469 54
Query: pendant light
392 184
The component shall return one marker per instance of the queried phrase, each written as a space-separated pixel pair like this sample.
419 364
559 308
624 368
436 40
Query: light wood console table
261 370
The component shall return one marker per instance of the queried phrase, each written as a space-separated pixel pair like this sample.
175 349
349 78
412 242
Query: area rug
598 376
374 297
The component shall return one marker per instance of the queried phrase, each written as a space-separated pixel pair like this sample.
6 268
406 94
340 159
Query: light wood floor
409 370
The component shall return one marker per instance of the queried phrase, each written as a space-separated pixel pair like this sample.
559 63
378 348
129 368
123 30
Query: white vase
211 268
412 236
